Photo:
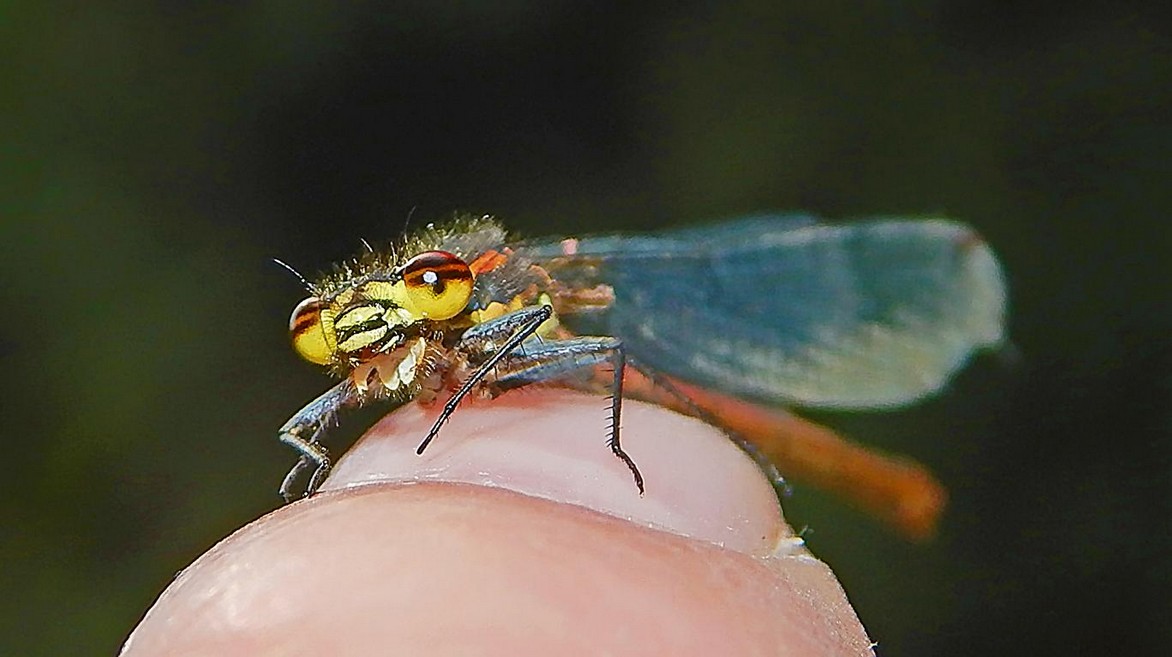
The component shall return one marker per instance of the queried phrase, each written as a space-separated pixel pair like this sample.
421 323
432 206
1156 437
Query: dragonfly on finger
762 312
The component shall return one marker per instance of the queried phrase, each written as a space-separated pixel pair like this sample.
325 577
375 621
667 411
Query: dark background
155 156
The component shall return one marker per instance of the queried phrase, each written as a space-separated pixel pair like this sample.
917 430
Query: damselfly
773 310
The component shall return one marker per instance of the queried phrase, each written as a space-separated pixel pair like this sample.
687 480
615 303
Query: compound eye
312 332
438 284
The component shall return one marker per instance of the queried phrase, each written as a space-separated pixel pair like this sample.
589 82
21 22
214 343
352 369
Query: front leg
302 432
485 345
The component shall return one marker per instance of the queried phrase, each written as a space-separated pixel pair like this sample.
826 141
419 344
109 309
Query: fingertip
517 533
453 569
552 444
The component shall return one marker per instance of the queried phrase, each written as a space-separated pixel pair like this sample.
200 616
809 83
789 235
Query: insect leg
312 453
302 431
481 341
616 411
695 410
526 321
549 360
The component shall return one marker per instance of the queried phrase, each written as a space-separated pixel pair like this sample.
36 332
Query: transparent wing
784 309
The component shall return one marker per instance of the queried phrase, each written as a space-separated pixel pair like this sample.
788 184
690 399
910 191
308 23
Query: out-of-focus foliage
154 156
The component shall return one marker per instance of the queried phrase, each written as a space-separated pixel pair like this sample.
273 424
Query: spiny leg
312 453
312 419
763 463
557 358
619 360
527 321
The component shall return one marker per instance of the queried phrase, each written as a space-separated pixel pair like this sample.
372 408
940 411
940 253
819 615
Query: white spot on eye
430 277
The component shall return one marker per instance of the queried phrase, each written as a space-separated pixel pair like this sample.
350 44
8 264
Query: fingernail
552 444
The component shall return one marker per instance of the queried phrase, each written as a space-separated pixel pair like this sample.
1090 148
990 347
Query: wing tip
986 284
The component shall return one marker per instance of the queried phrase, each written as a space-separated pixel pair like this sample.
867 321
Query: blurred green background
157 155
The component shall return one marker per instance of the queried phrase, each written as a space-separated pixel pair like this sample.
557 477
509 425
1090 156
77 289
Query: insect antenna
407 221
308 286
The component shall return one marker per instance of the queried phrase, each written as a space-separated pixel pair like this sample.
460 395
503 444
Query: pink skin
517 533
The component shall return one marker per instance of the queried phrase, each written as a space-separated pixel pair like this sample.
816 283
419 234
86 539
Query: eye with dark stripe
311 333
438 284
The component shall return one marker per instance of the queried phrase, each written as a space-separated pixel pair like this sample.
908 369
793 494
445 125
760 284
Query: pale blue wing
784 309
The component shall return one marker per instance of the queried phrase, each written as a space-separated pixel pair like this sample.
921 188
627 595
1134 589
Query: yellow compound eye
312 332
438 284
